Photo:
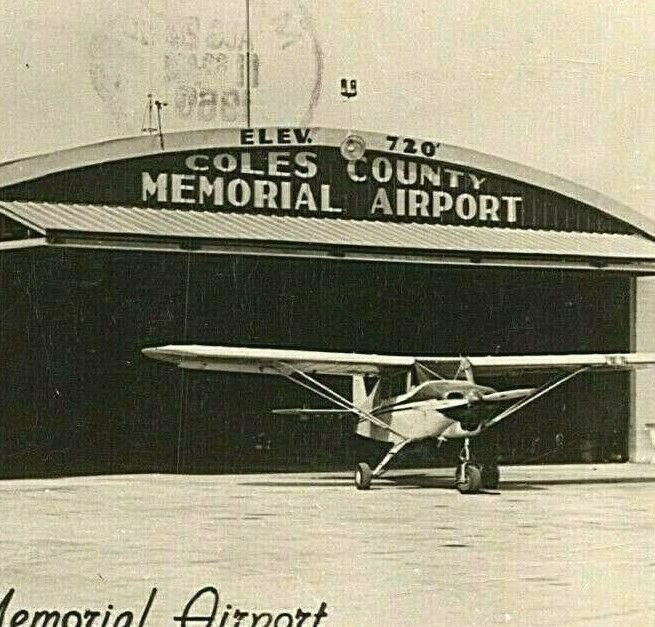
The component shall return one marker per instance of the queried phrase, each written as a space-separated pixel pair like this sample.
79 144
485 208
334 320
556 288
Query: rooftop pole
248 63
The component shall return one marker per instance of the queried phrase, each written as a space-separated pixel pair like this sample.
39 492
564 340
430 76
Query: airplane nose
474 396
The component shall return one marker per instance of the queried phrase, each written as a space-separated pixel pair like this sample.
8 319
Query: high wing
268 360
567 367
518 364
297 366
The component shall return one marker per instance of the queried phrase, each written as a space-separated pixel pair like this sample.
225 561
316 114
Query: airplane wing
268 360
280 361
297 366
568 366
518 364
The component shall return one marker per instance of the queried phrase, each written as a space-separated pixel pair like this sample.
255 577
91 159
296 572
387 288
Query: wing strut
381 468
431 372
310 383
549 387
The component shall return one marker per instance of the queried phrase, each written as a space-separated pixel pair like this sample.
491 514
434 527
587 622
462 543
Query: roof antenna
159 104
150 129
248 101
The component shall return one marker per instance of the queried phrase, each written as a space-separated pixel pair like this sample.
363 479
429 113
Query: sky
564 86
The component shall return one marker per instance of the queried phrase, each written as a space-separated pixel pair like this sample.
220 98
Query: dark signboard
290 171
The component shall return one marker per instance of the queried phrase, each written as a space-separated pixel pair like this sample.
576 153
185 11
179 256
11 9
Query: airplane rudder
360 396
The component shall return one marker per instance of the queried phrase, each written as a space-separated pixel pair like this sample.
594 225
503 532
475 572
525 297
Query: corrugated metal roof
50 218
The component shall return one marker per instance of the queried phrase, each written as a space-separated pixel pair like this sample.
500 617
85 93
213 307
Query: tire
472 479
490 474
363 476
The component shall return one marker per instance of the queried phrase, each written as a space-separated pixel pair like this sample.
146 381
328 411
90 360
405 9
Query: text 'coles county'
319 181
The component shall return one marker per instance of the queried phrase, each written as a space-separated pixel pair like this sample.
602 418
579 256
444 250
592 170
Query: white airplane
430 405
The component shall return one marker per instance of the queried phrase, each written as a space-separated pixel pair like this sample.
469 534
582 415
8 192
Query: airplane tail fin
465 368
364 398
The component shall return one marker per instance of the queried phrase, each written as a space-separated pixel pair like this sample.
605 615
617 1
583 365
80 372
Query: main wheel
490 475
363 476
471 481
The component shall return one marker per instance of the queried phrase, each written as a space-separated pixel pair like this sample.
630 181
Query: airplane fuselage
447 409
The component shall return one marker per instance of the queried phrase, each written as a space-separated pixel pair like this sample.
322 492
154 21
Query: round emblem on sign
353 147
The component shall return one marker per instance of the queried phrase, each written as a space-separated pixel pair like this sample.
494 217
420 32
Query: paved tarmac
565 545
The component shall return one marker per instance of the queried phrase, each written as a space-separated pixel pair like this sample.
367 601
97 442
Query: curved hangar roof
317 192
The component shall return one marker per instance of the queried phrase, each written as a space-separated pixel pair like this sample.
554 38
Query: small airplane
402 399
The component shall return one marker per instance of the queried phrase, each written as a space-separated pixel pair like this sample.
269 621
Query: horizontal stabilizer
507 395
311 412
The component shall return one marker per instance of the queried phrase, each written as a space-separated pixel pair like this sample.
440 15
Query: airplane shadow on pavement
402 482
421 481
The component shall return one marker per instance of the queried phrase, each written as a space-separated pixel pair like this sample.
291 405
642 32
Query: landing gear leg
363 473
468 478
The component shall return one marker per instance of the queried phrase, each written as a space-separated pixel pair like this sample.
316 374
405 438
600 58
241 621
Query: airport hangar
303 238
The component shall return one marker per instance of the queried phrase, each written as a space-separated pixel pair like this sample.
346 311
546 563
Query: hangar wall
80 397
642 423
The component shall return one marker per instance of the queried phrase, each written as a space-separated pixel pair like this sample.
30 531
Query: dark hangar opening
78 397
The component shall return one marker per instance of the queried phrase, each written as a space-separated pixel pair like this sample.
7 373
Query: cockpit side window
393 385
